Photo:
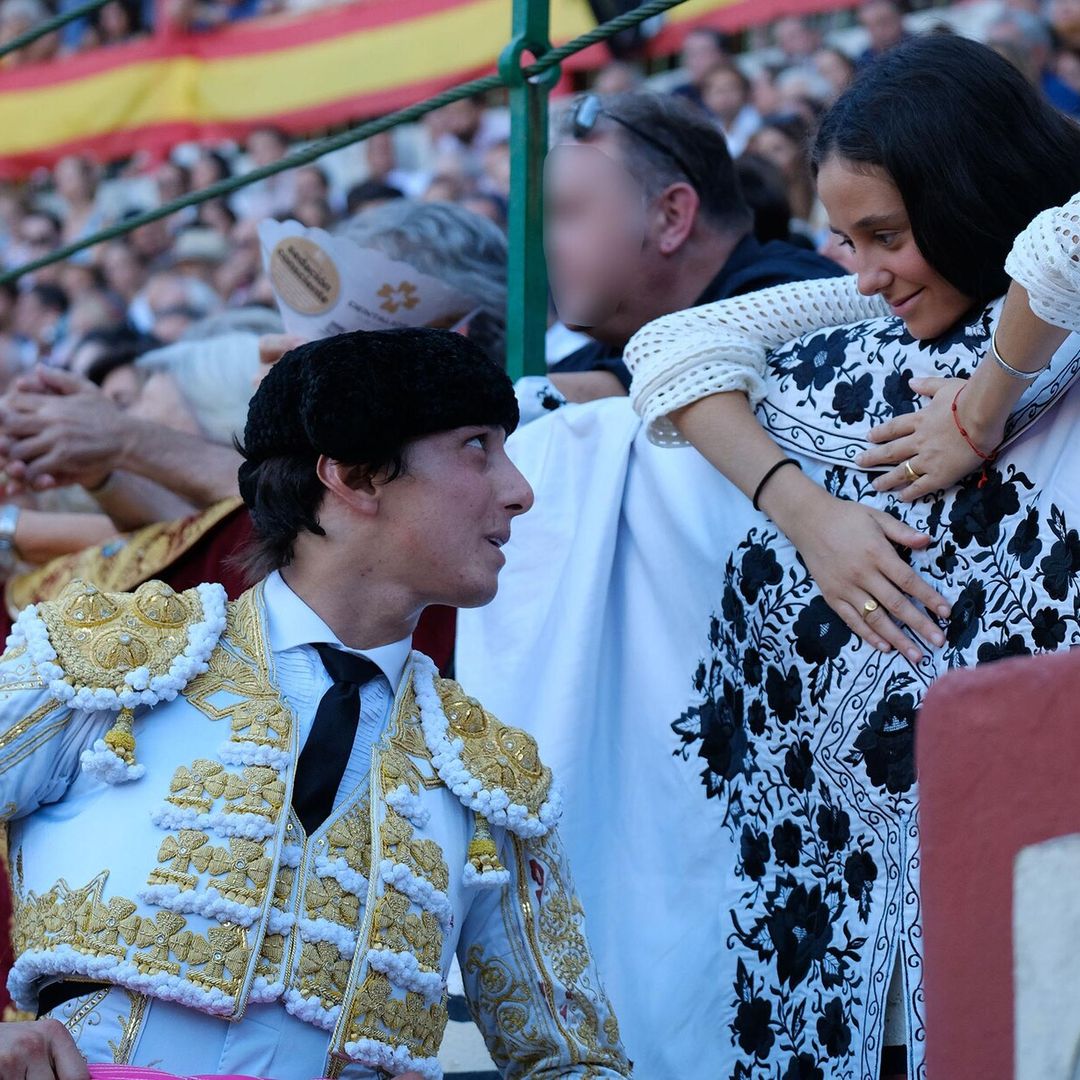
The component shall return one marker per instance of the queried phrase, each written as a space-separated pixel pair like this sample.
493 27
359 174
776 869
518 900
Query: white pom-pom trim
408 805
249 826
395 1060
406 973
489 879
311 1010
142 689
341 938
494 804
103 763
207 902
64 960
419 890
352 881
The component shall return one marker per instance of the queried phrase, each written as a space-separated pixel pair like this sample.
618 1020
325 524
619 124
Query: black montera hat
360 397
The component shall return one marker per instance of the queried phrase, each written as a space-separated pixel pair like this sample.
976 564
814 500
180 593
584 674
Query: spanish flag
300 73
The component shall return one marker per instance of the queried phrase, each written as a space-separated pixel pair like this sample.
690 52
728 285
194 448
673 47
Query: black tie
326 752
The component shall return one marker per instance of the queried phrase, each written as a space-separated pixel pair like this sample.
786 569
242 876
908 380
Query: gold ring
870 607
912 474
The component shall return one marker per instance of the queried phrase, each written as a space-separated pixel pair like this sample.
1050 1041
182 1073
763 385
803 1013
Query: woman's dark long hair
972 146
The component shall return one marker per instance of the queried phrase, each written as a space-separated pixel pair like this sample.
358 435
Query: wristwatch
9 522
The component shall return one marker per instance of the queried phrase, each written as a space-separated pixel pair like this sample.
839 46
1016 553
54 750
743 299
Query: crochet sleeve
1046 260
683 357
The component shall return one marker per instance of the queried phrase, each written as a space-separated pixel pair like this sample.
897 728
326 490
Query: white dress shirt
293 629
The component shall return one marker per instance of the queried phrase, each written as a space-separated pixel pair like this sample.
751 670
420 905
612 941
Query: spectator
765 191
276 194
703 51
118 21
783 140
39 321
314 213
836 68
123 268
618 77
1025 40
380 158
76 184
18 16
797 41
883 21
209 168
1065 21
368 194
310 184
726 94
697 243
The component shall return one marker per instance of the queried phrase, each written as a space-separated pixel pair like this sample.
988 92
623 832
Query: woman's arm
685 357
696 375
849 549
43 535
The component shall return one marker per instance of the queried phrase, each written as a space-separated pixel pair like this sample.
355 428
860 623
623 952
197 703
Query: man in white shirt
287 902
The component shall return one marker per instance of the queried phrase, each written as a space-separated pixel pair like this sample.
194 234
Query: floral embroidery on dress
804 737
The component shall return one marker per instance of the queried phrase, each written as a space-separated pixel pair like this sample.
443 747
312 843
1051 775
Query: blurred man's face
595 231
700 54
795 38
724 94
883 24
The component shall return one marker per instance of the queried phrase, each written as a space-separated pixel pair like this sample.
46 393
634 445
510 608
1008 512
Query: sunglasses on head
588 110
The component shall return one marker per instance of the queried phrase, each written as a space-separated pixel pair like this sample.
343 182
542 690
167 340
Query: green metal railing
529 85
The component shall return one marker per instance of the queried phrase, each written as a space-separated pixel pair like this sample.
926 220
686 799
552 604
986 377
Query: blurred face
795 38
700 55
37 235
867 213
833 69
72 178
123 274
379 153
309 185
170 182
776 147
724 94
447 517
114 21
595 227
883 24
161 402
205 172
1065 19
265 147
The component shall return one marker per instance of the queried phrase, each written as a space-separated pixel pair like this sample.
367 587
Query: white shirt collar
290 623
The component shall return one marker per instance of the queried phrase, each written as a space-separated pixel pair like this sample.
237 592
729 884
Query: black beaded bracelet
770 474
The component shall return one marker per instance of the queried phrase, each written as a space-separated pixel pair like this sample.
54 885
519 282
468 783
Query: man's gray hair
466 251
1031 30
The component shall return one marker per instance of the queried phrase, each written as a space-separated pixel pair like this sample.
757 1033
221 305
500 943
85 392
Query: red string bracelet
987 459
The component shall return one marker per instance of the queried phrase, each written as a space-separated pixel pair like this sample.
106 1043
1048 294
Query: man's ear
354 485
678 208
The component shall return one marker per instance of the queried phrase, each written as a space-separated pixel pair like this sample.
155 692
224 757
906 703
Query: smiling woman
804 711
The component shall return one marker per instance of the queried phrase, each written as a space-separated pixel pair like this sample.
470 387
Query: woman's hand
929 444
850 551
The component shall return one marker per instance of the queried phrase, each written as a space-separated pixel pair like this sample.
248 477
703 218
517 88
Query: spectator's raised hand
57 428
272 347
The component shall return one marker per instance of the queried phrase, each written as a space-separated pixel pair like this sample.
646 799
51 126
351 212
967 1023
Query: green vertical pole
526 301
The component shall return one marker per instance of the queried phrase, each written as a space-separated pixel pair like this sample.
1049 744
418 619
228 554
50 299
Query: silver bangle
1016 373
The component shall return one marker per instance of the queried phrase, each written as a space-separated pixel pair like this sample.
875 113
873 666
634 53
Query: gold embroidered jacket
146 767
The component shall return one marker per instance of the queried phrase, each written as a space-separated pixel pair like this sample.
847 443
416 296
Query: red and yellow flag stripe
301 73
